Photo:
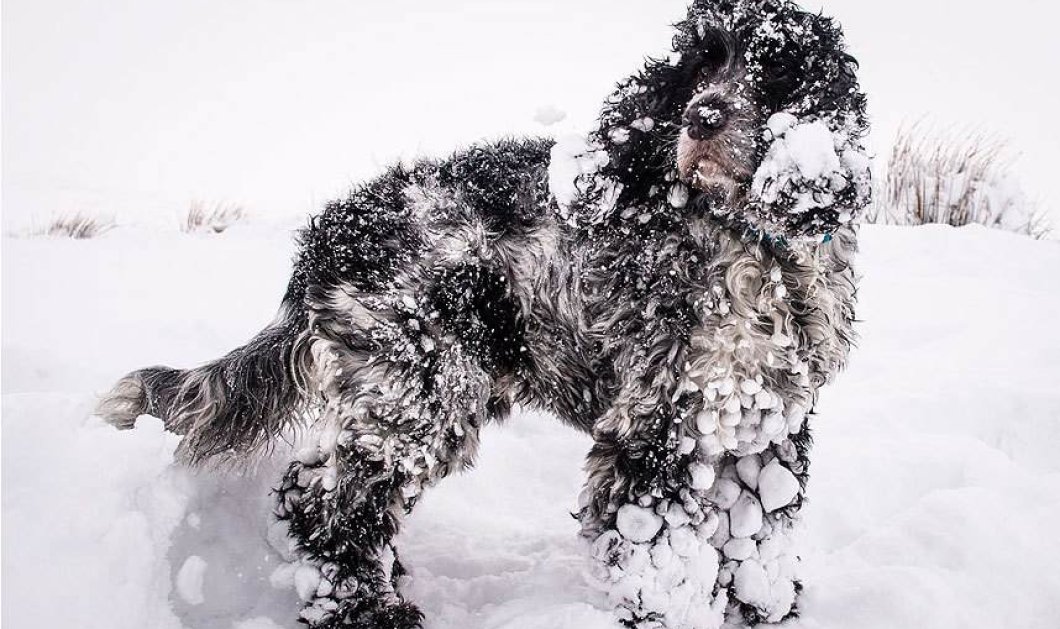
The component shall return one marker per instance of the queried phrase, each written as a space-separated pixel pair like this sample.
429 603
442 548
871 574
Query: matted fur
681 294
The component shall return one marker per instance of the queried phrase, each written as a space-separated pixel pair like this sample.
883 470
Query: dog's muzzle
714 145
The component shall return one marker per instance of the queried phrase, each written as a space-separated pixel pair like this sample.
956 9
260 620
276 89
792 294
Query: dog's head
756 117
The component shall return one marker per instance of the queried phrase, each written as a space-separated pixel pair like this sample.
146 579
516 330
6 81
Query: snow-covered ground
935 493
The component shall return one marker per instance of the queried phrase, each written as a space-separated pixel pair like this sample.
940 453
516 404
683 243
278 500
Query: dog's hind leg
400 412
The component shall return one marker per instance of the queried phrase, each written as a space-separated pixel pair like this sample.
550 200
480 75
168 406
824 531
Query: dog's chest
771 330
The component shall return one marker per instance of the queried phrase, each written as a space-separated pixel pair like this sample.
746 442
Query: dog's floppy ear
641 119
842 91
638 126
830 80
813 179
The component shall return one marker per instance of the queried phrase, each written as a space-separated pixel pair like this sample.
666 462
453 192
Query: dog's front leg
647 518
758 497
682 537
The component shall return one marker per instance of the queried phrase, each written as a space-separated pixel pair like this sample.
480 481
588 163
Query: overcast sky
139 107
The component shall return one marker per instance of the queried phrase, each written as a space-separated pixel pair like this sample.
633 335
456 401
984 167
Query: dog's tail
230 406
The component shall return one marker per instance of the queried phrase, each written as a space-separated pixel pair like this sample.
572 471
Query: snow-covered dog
678 284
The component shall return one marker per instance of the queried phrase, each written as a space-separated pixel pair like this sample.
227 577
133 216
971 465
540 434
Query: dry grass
211 219
955 179
77 225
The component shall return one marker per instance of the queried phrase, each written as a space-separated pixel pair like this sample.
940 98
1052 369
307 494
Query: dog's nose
704 120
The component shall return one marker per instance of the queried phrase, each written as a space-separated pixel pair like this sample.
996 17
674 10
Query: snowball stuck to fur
773 424
684 542
724 493
748 468
306 581
637 524
752 584
765 400
739 548
605 545
745 517
777 486
795 417
619 135
678 195
309 455
780 122
709 525
707 421
812 149
711 444
661 554
702 476
676 516
643 124
800 153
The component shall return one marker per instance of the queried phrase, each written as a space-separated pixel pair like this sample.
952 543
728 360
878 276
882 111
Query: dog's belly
560 372
509 299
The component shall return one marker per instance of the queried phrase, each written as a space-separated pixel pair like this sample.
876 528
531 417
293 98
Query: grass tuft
954 179
77 225
212 219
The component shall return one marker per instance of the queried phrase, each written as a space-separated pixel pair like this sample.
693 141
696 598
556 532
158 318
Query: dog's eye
713 61
716 53
779 80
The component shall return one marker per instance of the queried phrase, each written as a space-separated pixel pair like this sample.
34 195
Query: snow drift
934 491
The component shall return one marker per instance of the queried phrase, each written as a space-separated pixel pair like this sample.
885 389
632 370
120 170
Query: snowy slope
934 497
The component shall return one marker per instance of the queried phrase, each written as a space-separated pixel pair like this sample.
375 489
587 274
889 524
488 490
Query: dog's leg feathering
684 537
397 417
647 520
757 497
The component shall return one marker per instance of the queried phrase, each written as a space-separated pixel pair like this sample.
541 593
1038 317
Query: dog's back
475 236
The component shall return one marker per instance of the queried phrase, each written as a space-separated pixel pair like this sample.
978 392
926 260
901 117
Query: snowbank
934 493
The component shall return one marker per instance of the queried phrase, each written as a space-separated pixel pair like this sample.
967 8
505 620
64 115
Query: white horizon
138 109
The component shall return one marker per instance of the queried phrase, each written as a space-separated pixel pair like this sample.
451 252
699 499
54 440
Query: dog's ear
813 178
830 72
639 124
641 120
842 91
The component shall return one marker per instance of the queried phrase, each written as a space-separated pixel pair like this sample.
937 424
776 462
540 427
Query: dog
678 284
